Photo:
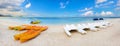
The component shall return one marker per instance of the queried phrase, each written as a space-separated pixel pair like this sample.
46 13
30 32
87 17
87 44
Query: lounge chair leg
68 33
82 32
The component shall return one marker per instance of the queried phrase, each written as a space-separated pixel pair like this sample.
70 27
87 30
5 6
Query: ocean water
51 20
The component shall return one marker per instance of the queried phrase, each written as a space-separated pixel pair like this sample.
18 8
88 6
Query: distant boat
35 22
101 19
95 19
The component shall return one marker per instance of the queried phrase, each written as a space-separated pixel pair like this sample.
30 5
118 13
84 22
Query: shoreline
45 22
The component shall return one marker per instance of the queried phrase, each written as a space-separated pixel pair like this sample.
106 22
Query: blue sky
60 8
55 8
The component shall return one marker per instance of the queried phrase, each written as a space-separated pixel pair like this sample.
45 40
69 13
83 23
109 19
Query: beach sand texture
55 36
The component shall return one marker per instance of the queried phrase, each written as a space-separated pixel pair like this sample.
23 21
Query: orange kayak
29 34
17 36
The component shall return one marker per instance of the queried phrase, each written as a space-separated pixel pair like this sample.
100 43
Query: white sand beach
55 36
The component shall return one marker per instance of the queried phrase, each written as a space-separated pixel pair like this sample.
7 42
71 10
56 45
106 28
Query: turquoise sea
52 20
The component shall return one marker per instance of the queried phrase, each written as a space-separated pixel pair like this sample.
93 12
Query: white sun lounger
89 26
104 24
68 28
92 27
108 24
100 25
80 29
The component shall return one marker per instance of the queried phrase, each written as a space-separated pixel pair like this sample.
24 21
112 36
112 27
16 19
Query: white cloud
100 1
13 13
35 14
28 5
107 13
118 3
104 4
110 2
86 9
96 6
117 8
12 2
103 13
63 5
88 13
11 7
